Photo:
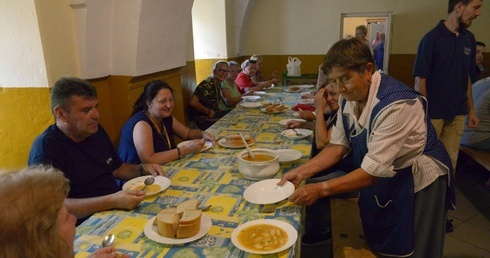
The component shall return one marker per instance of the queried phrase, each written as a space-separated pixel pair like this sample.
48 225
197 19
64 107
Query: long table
213 178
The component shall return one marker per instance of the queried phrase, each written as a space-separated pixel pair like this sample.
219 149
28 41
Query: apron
387 208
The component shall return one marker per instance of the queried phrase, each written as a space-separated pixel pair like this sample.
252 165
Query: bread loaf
181 222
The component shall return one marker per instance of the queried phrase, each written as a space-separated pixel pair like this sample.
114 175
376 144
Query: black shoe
314 239
449 226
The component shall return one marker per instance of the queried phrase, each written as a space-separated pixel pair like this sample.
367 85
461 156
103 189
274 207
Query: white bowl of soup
264 165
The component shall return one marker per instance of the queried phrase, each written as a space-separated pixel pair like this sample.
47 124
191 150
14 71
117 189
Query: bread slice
167 222
187 205
181 222
189 224
236 140
190 216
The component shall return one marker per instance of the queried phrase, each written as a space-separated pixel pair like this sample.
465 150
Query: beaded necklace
163 134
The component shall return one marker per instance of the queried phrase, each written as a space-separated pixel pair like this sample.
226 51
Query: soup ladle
246 145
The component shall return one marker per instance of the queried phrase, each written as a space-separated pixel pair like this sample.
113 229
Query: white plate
285 121
307 101
251 98
267 191
308 94
250 104
259 92
292 135
277 112
161 181
206 146
152 232
290 231
305 87
288 155
222 142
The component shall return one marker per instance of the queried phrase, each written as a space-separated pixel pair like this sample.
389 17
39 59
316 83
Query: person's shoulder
51 134
482 83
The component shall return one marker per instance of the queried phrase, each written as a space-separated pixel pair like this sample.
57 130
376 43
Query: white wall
209 25
131 37
22 61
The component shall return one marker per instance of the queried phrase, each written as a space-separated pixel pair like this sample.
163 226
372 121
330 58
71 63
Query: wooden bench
347 234
480 157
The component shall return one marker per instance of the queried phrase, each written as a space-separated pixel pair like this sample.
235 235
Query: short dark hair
453 3
351 54
66 87
479 43
363 28
148 94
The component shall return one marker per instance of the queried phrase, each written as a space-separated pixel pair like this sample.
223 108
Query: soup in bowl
264 165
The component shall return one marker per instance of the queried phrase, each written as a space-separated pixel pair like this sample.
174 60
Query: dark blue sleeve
423 60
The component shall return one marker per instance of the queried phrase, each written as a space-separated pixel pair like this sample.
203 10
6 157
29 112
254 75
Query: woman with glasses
148 135
229 89
402 168
205 101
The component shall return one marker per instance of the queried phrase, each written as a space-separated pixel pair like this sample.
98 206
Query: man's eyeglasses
222 70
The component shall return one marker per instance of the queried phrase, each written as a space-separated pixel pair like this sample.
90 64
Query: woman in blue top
148 135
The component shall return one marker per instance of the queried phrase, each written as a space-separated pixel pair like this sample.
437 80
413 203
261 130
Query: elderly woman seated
148 135
258 79
229 89
205 101
34 219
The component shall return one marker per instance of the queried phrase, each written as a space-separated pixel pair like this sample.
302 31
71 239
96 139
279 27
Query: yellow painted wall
24 114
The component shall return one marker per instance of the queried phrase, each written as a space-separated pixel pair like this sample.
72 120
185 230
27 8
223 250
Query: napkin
304 107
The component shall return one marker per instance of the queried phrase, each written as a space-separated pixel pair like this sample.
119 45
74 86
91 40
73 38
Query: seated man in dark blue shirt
77 145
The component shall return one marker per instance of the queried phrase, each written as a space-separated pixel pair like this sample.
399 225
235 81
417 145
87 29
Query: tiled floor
471 219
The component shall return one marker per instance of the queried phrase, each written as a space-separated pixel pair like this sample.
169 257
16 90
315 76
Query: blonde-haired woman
34 219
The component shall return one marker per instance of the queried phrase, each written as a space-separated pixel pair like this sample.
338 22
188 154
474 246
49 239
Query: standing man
79 147
445 57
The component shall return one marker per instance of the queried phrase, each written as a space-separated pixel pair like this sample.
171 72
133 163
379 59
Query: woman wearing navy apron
403 171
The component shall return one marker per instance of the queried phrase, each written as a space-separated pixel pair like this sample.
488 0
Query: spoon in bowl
246 145
148 181
108 240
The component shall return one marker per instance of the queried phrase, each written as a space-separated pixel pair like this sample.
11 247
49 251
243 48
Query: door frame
368 16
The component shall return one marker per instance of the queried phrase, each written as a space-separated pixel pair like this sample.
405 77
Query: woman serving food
402 168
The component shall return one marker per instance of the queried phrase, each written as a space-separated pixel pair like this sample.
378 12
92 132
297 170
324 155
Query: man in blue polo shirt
78 146
445 57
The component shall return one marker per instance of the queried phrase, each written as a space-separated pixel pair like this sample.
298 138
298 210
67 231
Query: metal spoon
148 181
297 133
269 209
246 145
108 240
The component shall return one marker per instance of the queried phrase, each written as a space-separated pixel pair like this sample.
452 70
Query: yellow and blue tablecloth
213 178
